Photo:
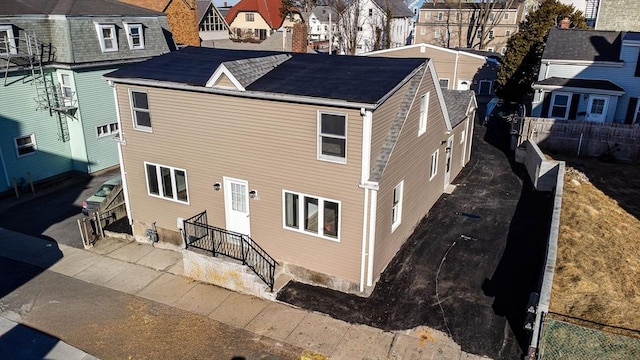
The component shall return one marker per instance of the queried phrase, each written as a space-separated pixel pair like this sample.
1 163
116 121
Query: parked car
94 201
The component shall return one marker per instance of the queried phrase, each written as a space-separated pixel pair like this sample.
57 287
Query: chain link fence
566 341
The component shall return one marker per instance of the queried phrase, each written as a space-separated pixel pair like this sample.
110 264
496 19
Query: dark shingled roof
577 44
398 8
72 7
350 78
464 5
201 7
580 83
457 103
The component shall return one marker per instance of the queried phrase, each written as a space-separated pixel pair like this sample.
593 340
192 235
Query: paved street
111 324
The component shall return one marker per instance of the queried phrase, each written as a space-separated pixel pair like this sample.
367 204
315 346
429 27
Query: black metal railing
200 235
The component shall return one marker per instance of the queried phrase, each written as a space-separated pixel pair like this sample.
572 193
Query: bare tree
349 20
486 17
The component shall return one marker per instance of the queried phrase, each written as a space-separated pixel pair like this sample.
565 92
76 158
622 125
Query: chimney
564 23
299 38
225 4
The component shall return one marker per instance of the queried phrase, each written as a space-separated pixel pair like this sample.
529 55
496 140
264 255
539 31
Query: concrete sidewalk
156 274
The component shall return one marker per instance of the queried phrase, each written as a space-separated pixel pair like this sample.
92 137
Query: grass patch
597 275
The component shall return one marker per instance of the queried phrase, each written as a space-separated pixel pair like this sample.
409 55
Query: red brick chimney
564 23
299 38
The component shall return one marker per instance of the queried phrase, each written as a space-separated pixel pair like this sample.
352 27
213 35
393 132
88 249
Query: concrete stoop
226 273
449 189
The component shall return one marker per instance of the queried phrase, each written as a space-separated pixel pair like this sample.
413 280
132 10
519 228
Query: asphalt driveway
52 213
467 275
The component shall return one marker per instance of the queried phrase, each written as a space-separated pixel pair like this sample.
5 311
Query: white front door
464 84
597 108
236 205
447 169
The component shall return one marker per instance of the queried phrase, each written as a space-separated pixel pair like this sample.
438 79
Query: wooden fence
582 138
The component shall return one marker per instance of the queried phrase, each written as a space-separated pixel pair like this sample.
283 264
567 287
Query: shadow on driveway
469 276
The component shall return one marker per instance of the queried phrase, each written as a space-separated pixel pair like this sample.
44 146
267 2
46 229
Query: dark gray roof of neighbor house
580 83
457 103
398 8
488 54
201 7
322 13
631 36
348 78
72 7
578 44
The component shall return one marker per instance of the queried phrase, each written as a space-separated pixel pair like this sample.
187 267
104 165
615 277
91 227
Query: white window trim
507 33
440 16
433 167
133 111
10 38
103 47
109 131
67 100
173 183
424 114
33 144
329 158
553 99
300 228
448 82
129 26
463 135
397 206
437 34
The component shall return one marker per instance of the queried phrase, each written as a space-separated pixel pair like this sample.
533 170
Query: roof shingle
578 44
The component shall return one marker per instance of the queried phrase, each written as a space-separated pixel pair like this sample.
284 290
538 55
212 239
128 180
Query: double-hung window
424 113
140 110
7 40
135 36
107 37
332 137
249 17
559 105
437 34
25 145
167 182
434 165
444 83
66 87
396 208
311 215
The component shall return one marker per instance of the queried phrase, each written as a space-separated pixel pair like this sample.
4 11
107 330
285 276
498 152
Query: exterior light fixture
217 186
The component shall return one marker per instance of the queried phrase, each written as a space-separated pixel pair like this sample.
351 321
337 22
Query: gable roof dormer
241 73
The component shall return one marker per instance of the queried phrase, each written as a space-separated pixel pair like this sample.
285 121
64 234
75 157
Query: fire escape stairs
31 55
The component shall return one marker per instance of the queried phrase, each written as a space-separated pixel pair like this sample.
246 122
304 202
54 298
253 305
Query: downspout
455 72
546 70
121 142
367 125
372 235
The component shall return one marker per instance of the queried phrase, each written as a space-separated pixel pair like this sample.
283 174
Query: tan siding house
456 69
308 174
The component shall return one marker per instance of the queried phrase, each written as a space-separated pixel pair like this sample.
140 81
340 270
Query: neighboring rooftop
268 9
457 103
580 83
578 44
397 7
72 7
346 78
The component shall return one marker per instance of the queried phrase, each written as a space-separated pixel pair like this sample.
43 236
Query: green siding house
57 113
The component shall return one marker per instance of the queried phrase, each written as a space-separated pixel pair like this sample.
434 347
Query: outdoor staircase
31 55
217 241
